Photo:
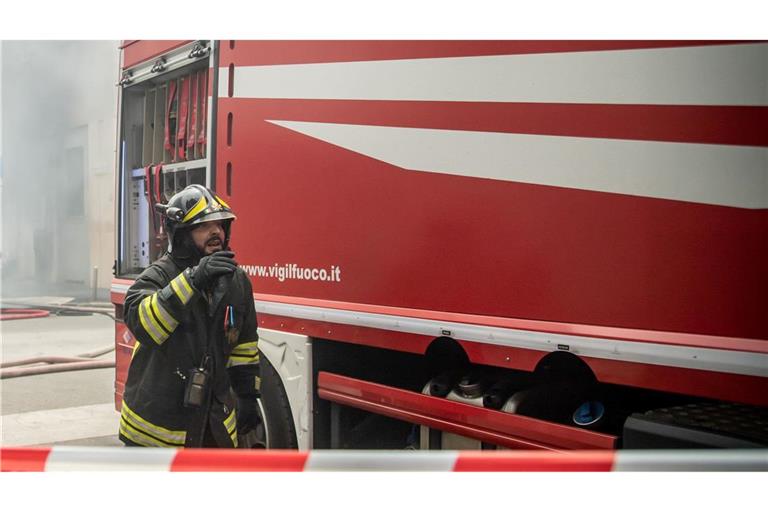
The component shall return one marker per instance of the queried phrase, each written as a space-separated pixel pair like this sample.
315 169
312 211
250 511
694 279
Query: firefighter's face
209 236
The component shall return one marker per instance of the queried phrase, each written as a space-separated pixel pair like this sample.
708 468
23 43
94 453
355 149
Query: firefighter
194 375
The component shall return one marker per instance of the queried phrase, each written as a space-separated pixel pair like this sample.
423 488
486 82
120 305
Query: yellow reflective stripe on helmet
165 318
176 437
141 438
200 206
181 288
220 200
149 324
230 423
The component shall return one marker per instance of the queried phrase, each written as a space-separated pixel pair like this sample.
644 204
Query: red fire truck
474 244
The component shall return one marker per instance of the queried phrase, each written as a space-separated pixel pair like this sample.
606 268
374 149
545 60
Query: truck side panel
423 202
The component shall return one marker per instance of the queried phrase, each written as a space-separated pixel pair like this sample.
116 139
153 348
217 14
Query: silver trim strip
119 288
726 361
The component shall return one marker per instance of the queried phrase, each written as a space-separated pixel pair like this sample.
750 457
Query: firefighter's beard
185 249
187 253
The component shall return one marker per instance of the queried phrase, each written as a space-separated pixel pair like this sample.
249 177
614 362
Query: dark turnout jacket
178 328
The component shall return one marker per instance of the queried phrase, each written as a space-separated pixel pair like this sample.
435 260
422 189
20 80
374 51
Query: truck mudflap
486 425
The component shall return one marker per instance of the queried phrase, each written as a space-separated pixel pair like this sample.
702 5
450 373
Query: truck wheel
281 432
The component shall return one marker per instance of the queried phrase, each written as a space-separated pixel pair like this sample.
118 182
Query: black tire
277 409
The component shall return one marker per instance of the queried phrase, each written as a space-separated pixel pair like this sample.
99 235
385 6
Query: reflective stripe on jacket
175 325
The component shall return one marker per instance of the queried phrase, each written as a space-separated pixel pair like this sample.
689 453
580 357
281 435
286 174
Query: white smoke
58 109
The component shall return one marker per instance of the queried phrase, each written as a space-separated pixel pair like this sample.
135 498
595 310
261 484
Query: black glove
248 415
213 266
251 430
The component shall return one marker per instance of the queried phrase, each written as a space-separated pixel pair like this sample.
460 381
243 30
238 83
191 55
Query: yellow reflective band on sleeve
244 353
185 284
249 350
149 324
177 291
182 288
171 437
165 318
250 347
200 206
237 360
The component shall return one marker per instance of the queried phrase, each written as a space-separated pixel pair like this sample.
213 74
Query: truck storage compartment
563 402
405 389
363 391
486 425
163 149
470 388
164 120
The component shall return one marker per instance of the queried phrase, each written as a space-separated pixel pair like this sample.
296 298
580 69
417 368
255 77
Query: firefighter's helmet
194 205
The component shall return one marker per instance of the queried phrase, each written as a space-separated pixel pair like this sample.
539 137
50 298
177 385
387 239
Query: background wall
57 166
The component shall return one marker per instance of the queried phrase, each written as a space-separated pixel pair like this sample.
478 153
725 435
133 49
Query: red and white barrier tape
69 458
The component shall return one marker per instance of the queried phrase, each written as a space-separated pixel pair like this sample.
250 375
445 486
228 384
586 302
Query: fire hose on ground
56 364
53 364
22 314
45 310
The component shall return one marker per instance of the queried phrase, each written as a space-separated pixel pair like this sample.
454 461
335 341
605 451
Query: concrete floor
74 408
